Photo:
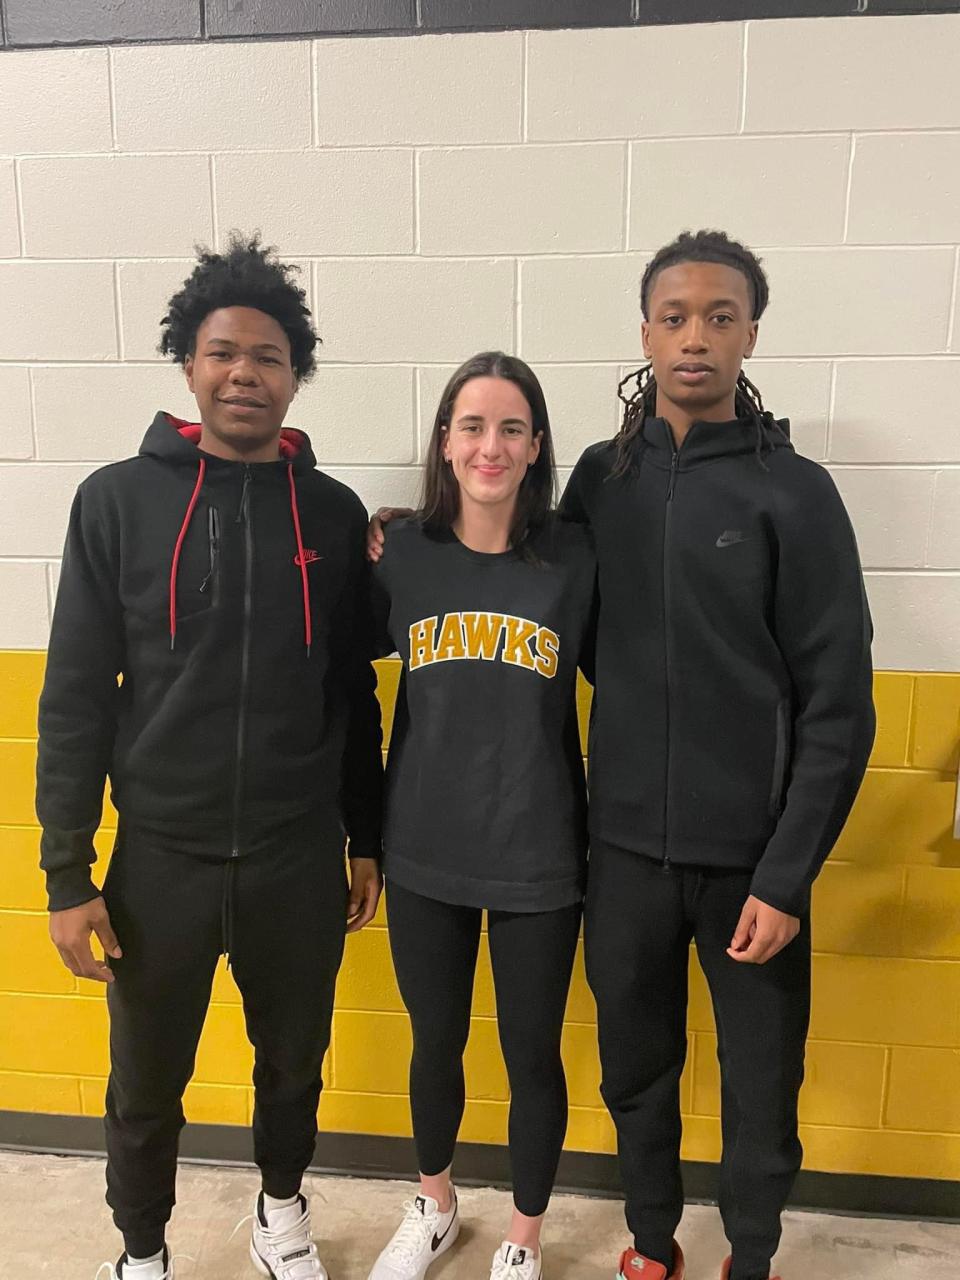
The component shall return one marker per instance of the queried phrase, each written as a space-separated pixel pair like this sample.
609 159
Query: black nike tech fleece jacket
733 715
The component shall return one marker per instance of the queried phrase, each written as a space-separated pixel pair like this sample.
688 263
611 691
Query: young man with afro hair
210 654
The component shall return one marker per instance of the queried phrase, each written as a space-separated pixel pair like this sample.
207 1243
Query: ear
296 386
445 443
188 371
534 453
645 336
752 339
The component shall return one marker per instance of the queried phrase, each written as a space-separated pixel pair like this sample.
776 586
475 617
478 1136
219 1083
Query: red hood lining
291 440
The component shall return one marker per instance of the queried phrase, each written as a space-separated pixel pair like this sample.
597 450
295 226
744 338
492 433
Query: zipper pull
674 464
242 512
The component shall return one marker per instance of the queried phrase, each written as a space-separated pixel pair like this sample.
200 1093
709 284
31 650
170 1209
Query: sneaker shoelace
412 1235
298 1257
504 1270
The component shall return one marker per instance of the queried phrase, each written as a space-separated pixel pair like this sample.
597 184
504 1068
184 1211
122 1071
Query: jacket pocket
780 756
210 586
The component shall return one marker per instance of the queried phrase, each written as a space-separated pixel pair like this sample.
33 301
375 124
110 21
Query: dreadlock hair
249 274
701 246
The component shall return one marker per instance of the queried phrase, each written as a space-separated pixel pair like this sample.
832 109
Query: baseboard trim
480 1164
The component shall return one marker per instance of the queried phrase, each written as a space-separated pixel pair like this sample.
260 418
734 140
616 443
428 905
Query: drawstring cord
301 561
175 563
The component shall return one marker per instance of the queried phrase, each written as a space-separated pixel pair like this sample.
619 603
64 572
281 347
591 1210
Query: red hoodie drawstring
301 561
175 563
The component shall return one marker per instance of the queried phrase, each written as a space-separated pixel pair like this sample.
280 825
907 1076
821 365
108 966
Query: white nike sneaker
423 1235
281 1246
516 1262
152 1271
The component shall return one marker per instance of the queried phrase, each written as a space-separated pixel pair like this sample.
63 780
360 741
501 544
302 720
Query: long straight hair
440 492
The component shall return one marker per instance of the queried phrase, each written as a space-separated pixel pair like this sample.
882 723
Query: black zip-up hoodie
733 714
232 601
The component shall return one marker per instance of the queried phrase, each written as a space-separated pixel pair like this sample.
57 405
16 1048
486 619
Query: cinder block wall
446 194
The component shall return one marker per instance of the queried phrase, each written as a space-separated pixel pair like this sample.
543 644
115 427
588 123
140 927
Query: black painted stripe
480 1164
27 24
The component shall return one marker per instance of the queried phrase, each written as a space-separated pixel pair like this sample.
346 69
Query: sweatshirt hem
494 895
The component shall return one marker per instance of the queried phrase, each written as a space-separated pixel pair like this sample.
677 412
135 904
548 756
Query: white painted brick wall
447 194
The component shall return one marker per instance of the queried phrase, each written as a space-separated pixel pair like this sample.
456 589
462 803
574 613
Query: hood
174 440
707 440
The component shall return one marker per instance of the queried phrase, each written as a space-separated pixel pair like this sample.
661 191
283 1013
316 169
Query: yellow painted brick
892 697
21 678
22 886
924 1090
371 1052
366 978
843 1083
28 959
224 990
484 1121
484 995
584 701
931 913
388 679
856 909
581 1006
225 1055
701 1138
581 1061
936 727
699 1006
18 763
59 1035
344 1112
202 1103
901 815
890 1152
590 1129
51 1095
876 1000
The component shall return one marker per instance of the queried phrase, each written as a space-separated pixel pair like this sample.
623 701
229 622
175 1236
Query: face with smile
241 374
489 444
699 330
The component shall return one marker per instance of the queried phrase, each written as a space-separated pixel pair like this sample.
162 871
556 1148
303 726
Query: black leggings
435 955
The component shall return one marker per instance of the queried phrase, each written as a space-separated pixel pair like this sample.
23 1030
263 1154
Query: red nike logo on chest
308 557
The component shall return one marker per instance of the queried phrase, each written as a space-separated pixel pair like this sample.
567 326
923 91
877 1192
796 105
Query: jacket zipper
213 540
243 517
668 508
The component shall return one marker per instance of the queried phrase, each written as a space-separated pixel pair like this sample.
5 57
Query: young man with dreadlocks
222 578
731 727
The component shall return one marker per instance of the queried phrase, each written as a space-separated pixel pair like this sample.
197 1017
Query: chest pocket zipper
212 580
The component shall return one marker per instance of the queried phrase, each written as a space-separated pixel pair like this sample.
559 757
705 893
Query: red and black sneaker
634 1266
725 1270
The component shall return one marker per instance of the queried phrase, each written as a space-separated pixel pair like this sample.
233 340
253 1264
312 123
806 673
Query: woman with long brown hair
489 600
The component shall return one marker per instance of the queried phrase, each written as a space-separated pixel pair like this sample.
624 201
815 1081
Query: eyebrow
717 302
476 417
257 346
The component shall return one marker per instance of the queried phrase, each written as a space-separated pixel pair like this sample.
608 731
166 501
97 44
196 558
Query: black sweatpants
434 949
639 919
284 912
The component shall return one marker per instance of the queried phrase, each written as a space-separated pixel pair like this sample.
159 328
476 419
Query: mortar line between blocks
831 406
524 82
885 1085
742 112
931 516
627 186
517 308
212 185
314 95
416 201
18 196
849 193
117 313
112 95
416 414
951 318
34 438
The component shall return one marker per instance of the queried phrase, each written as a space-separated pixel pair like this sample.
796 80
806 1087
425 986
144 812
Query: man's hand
761 932
365 885
70 931
375 529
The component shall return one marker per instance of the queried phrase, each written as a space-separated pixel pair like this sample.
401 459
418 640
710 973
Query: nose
693 335
490 444
243 372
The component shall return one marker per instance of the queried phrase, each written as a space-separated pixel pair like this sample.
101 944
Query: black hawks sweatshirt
733 713
210 652
486 801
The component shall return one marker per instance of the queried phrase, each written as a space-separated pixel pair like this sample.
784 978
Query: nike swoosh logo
438 1240
730 537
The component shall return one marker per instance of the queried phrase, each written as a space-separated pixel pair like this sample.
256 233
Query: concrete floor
53 1222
